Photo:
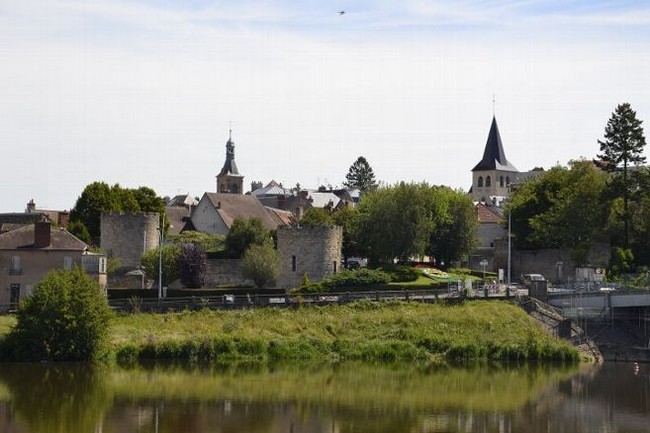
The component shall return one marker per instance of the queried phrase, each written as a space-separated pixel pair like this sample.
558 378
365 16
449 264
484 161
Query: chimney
42 235
31 207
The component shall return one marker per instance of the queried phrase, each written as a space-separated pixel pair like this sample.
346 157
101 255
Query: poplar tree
623 145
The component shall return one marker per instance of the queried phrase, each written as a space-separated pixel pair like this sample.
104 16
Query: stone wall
127 236
314 251
225 272
555 264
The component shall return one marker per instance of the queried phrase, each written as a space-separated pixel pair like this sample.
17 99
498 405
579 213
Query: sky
143 93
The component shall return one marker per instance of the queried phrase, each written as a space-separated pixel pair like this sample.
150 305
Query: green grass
362 331
367 331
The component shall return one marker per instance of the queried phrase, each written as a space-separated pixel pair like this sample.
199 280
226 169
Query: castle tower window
480 181
501 181
294 266
488 181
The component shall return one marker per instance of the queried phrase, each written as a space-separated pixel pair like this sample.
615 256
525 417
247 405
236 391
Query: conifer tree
360 176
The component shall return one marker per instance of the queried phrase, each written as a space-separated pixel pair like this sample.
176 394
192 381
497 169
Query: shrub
243 234
65 319
356 278
192 264
401 273
261 263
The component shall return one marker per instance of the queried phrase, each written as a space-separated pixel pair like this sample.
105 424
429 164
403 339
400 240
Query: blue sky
143 92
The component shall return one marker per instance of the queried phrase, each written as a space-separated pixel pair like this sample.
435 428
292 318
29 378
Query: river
346 398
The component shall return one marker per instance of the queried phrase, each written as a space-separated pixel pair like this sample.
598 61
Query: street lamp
509 240
160 244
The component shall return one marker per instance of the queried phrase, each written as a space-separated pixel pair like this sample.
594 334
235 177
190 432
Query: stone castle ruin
126 236
311 251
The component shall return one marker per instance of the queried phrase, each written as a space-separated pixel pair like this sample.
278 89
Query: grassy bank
366 331
361 331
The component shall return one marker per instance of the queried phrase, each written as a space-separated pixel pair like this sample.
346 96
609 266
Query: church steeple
492 176
229 180
494 157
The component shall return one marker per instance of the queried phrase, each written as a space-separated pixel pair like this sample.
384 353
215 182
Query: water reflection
345 398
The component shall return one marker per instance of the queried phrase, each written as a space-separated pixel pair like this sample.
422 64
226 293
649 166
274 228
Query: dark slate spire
230 167
494 157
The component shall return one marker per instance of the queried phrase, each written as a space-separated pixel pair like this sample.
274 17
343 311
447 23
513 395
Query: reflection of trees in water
343 399
53 398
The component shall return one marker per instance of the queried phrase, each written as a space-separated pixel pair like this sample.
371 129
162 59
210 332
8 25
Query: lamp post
160 229
509 240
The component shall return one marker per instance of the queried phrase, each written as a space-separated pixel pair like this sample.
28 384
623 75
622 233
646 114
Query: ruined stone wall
314 251
127 236
225 272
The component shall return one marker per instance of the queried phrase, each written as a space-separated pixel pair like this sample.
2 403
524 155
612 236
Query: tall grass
385 331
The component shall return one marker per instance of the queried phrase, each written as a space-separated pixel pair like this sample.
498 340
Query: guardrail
233 301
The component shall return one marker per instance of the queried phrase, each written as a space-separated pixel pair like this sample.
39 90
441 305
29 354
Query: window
293 264
67 263
488 181
16 265
480 181
501 181
102 265
335 267
507 180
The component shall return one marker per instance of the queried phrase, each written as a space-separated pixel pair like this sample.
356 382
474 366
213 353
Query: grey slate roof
230 167
494 157
231 206
23 238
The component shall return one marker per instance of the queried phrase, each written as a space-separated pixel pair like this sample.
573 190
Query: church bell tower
229 180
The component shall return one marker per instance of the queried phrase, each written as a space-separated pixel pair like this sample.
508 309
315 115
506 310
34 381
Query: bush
261 263
192 264
356 278
243 234
65 319
401 273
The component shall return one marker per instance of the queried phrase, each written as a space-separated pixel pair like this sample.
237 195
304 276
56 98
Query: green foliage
79 229
401 273
360 176
621 261
244 233
99 197
623 145
361 277
261 263
192 264
316 217
562 207
347 217
170 270
209 242
65 319
409 219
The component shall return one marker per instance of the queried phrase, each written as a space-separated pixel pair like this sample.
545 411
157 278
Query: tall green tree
244 233
347 217
395 222
564 207
622 146
99 197
360 176
315 217
454 234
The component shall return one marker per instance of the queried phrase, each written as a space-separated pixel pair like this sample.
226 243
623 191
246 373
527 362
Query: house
178 211
29 252
216 212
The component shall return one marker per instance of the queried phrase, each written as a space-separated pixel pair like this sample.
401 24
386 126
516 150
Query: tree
261 263
192 264
316 217
99 197
209 242
395 222
244 233
360 176
561 208
347 217
623 145
65 319
170 269
454 234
